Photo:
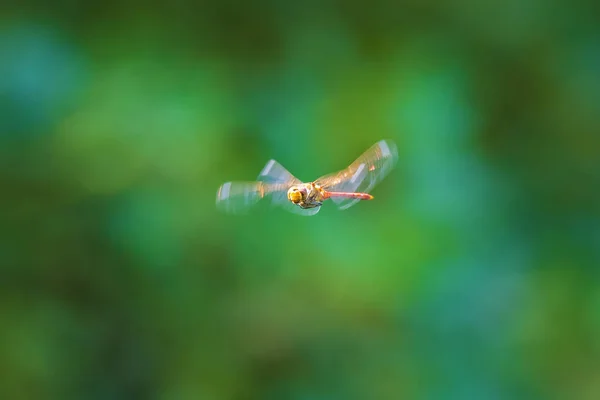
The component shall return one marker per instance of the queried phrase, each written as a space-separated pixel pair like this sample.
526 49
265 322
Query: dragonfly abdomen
349 195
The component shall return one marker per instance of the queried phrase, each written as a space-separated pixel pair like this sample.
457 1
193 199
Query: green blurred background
473 274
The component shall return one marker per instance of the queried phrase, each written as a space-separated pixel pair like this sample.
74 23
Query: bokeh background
473 274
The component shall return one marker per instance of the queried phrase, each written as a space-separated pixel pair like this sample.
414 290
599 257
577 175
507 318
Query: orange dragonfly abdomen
348 195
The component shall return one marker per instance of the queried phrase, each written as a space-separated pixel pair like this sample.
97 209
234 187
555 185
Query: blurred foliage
473 274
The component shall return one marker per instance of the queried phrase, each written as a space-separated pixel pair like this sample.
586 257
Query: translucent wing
273 182
363 174
239 197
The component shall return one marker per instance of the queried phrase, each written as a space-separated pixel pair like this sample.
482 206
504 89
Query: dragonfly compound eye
295 195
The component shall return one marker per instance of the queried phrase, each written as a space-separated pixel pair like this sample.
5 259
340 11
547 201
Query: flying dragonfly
345 188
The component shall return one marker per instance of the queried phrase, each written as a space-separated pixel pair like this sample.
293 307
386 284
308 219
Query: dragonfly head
296 194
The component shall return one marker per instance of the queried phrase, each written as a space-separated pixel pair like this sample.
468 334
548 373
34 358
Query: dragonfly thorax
306 195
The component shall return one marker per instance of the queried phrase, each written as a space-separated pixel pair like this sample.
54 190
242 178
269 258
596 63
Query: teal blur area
473 274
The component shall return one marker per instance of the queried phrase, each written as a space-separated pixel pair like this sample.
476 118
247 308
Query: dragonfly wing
363 174
239 197
307 212
273 172
273 181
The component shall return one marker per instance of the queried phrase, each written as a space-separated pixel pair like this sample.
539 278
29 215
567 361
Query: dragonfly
345 188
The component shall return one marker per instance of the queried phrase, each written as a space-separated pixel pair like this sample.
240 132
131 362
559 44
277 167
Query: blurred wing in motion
273 172
273 181
239 197
363 174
